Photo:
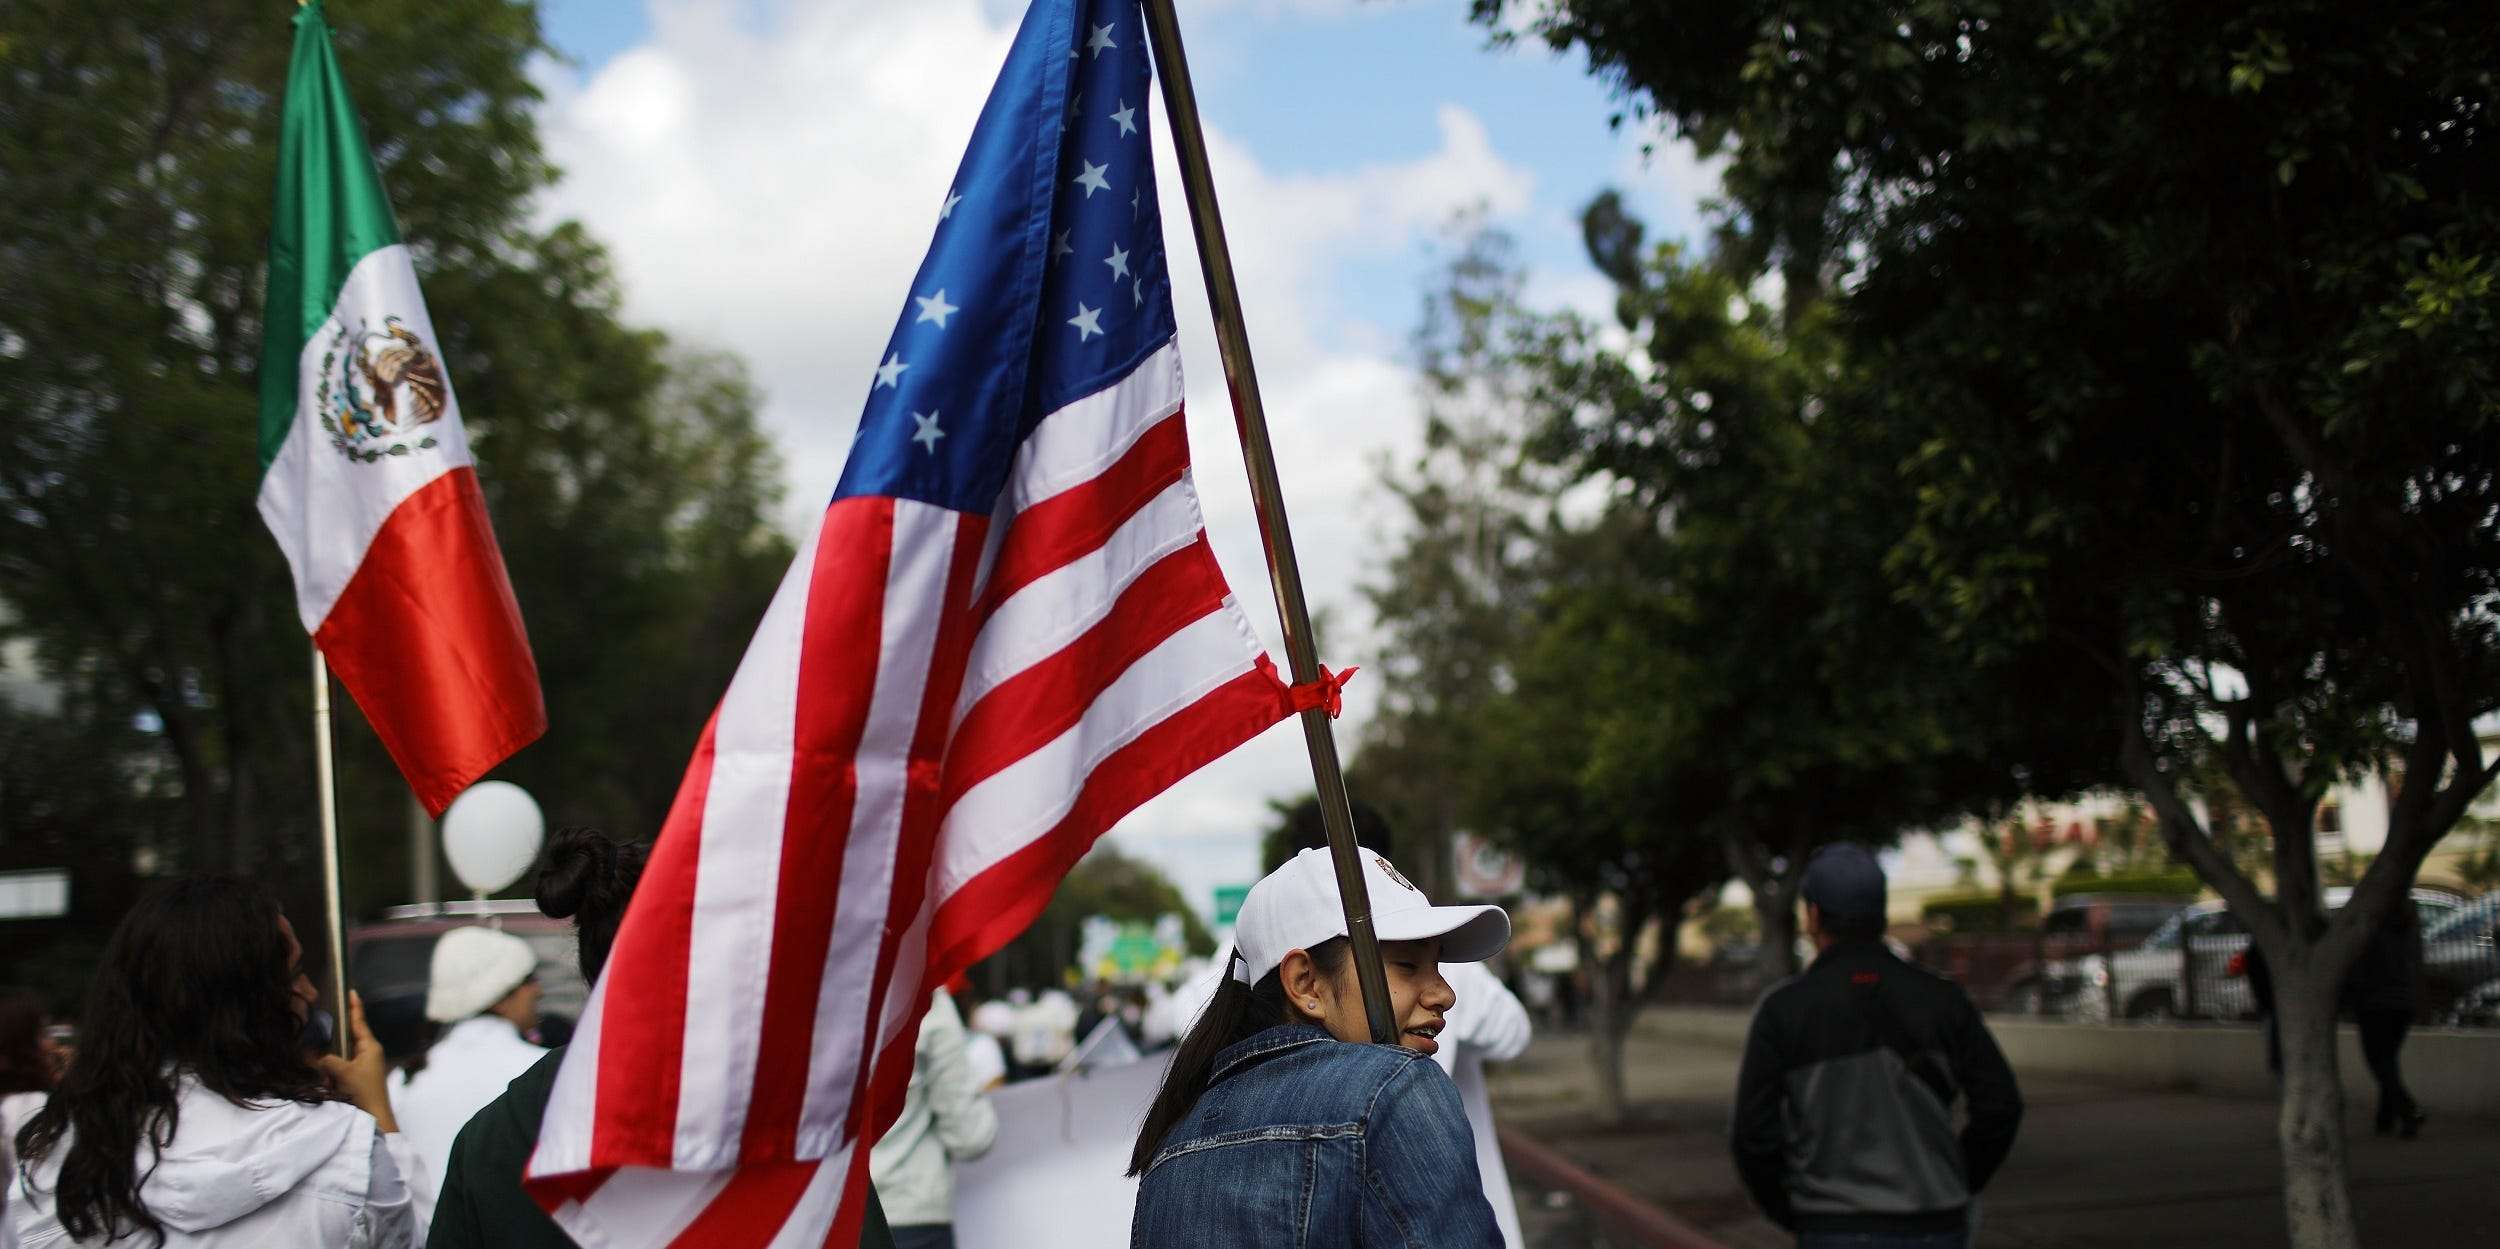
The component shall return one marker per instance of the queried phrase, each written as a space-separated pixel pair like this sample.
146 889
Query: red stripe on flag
428 640
922 808
1026 711
852 1216
836 678
990 909
635 1109
750 1208
1047 535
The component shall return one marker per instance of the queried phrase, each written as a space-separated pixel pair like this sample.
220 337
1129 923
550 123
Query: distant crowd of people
201 1104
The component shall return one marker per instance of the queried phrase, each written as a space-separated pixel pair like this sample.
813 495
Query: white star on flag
927 433
1125 118
1088 321
934 308
890 373
1137 292
1118 260
1092 179
1059 246
1101 40
947 209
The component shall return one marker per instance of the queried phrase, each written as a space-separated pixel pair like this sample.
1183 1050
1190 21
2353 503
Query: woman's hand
361 1077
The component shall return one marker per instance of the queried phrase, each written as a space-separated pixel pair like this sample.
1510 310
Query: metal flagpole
1267 495
326 779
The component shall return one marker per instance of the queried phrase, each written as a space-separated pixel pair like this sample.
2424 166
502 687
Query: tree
1839 713
1587 768
2181 315
630 487
1454 596
1107 883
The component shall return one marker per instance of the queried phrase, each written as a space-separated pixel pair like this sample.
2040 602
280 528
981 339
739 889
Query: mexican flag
366 478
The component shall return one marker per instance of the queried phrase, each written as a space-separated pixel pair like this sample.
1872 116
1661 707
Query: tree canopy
2180 319
629 484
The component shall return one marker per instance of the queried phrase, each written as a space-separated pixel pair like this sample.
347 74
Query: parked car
2189 967
2478 1008
388 963
2460 956
2020 971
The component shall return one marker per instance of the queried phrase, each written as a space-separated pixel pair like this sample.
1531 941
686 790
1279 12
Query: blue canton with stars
1046 280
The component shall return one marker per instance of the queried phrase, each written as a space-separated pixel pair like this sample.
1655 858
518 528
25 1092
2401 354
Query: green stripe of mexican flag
366 478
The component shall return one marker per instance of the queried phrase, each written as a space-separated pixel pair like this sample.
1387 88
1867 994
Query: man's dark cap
1845 879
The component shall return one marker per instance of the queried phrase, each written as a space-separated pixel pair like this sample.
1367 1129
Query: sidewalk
2096 1166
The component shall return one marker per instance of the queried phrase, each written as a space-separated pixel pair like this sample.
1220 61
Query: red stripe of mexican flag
366 476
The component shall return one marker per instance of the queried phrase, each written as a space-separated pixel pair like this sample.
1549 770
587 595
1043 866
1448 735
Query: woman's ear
1301 982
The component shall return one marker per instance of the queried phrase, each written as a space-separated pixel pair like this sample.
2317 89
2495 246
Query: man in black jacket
1843 1127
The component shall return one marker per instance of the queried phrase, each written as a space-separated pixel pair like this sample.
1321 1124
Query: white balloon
491 835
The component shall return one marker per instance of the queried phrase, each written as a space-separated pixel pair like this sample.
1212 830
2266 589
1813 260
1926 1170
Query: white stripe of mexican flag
367 481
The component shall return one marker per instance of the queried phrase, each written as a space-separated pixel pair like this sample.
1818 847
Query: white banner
1063 1144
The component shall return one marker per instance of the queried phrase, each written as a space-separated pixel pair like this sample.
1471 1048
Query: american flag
1008 631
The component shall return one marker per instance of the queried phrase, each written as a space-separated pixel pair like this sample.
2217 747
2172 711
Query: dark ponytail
587 878
1238 1013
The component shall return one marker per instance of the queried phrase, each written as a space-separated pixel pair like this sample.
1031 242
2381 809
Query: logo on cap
1392 873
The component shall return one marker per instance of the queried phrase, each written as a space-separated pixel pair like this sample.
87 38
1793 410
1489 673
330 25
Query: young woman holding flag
1279 1124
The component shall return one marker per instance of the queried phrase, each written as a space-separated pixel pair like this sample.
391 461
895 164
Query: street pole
424 884
326 781
1268 498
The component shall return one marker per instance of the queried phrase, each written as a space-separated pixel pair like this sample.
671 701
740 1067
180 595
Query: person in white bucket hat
483 984
1279 1123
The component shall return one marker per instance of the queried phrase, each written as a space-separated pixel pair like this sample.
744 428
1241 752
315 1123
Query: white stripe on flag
1040 619
738 879
1005 812
915 590
804 1229
656 1205
1074 444
576 1085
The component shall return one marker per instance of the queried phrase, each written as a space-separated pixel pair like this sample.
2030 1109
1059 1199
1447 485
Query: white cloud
768 184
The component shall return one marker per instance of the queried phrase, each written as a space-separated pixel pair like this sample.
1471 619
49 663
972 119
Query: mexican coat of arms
379 389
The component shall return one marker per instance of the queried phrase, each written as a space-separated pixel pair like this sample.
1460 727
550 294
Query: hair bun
578 868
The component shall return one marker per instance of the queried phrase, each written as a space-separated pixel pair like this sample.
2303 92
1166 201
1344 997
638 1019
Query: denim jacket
1302 1140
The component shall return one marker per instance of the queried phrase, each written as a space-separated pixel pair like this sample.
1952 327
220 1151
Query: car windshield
2470 921
2166 937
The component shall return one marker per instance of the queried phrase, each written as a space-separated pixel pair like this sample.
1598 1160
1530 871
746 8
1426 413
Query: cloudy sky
768 172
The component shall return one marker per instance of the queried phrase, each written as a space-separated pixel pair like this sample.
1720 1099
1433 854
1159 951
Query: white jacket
251 1177
945 1120
465 1069
1490 1025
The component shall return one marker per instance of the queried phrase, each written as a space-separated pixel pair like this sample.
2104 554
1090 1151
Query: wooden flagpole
1232 338
325 776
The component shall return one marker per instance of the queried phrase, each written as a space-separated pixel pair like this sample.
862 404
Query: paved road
2096 1168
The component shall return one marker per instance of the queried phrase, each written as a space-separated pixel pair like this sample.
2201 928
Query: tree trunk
2309 1124
1775 912
1606 1059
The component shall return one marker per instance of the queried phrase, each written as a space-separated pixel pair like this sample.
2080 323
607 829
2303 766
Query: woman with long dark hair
25 1074
195 1115
1278 1124
25 1081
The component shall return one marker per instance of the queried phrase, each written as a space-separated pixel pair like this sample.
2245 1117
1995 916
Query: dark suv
388 963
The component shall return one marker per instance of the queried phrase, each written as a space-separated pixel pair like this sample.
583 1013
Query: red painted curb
1622 1212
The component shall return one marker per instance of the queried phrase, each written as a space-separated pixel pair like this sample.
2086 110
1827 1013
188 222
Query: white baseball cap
1297 906
473 969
